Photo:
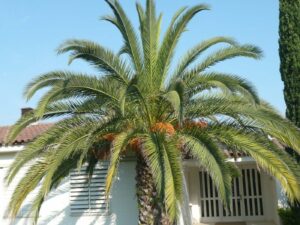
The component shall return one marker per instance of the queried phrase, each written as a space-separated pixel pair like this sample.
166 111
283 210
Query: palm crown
138 105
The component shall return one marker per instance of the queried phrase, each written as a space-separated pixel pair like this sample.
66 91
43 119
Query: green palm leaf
135 106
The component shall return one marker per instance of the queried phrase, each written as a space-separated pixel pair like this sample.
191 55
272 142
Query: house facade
76 201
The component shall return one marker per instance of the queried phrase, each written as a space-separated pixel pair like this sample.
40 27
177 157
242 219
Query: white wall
56 211
282 198
268 189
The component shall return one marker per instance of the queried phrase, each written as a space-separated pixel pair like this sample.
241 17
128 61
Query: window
247 200
88 195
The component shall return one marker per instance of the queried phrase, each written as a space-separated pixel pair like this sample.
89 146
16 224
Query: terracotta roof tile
27 135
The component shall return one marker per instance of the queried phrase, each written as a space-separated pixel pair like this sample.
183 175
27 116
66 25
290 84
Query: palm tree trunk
150 209
146 193
164 220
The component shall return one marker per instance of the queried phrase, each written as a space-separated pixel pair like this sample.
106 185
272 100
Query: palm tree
137 105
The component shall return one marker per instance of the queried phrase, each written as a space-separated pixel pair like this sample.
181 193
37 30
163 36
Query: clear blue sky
30 31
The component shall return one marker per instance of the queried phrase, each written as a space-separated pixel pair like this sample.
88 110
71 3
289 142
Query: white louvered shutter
247 198
88 196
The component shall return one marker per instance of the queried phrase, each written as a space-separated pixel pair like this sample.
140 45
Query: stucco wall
123 207
269 198
56 211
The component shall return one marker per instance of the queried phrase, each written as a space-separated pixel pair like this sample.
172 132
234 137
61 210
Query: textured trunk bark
164 220
150 209
146 194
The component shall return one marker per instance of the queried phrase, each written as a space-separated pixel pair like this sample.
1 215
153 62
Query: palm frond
212 161
134 98
266 158
121 21
226 82
79 86
49 140
118 145
177 27
102 58
173 179
60 174
155 160
197 50
27 184
150 36
227 53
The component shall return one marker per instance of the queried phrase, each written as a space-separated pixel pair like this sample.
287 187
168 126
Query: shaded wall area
56 209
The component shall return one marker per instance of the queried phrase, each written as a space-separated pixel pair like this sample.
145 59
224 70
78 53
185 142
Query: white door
247 198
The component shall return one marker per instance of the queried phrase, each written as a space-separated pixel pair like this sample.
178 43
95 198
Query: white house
254 200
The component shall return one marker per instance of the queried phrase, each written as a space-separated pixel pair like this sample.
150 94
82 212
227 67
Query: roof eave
11 149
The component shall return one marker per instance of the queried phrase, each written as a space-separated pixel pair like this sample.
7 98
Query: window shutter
247 196
88 195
